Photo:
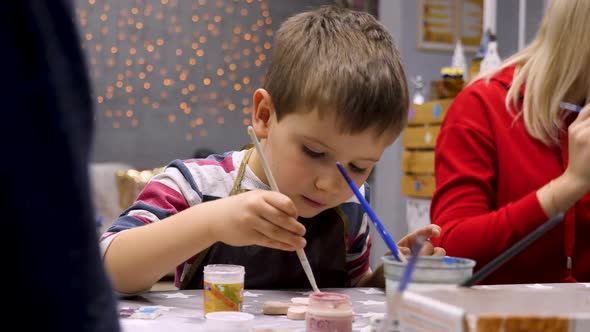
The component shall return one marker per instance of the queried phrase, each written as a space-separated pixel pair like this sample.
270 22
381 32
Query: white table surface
183 310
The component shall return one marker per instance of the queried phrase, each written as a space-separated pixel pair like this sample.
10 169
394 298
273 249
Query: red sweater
488 169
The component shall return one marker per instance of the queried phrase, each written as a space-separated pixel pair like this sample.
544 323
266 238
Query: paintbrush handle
380 228
388 240
570 107
411 266
515 249
307 268
265 166
274 187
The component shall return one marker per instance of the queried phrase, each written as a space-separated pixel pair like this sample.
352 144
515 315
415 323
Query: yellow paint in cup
223 287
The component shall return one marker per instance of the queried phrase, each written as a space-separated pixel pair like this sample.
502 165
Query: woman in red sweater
508 157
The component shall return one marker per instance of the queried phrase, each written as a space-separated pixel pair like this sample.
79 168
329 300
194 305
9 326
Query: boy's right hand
258 217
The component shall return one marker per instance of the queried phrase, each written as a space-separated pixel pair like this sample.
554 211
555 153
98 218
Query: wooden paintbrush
274 187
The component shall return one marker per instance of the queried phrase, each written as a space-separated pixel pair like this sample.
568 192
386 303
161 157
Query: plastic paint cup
328 312
430 272
223 287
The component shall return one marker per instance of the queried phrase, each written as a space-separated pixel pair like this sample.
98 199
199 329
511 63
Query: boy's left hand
376 278
426 232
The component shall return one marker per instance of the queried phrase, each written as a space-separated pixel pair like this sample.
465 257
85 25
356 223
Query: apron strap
344 220
200 257
237 187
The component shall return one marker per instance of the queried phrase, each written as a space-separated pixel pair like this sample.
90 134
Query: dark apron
271 268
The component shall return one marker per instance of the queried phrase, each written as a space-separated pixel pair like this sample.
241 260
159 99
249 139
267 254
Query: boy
335 90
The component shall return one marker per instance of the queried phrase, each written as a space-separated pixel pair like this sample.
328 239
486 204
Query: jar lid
223 268
329 297
228 320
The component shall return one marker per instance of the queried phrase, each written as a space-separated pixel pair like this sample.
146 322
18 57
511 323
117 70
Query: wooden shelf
418 162
432 112
419 141
418 185
420 137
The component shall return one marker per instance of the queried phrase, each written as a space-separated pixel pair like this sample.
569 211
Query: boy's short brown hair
339 59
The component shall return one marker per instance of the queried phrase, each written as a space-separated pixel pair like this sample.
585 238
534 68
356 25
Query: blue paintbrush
570 107
409 270
382 231
391 320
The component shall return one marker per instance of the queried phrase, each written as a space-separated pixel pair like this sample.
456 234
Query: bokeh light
194 63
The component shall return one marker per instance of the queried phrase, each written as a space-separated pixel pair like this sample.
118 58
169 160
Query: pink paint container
329 312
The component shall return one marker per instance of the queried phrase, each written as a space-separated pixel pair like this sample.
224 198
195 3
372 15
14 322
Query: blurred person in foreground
52 265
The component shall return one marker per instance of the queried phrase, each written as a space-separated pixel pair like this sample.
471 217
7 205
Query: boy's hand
376 278
428 249
258 217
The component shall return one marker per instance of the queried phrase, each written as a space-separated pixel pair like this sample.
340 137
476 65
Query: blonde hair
554 63
338 59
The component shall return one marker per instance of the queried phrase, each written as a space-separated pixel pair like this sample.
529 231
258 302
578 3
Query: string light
195 61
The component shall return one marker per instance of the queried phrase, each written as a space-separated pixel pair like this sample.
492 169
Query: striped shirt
190 182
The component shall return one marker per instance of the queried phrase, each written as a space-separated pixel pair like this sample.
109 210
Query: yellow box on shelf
432 112
417 161
420 137
414 185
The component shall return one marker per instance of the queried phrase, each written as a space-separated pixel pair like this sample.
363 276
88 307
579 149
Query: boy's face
302 150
